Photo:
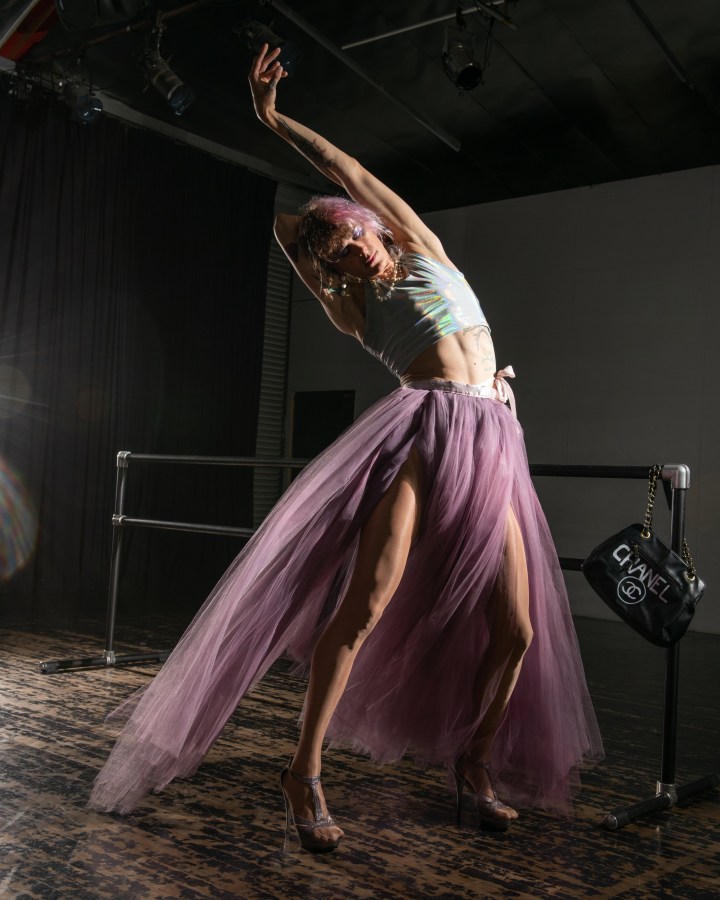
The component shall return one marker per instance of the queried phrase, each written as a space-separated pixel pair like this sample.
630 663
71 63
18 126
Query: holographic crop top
431 302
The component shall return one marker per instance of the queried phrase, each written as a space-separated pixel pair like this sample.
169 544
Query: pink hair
325 222
342 211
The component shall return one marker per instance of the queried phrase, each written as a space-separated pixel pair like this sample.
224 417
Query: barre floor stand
676 481
109 658
667 792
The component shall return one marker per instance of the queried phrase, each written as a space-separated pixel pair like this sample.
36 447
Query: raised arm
342 313
334 163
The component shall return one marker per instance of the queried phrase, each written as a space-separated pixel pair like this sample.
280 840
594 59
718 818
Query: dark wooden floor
220 834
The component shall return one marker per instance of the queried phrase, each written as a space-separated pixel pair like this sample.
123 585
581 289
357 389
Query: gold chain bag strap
643 581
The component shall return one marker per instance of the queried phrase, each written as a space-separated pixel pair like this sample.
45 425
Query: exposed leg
510 637
382 553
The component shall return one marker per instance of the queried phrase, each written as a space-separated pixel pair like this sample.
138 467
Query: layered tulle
414 684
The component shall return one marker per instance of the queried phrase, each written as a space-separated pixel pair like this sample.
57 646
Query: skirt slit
410 689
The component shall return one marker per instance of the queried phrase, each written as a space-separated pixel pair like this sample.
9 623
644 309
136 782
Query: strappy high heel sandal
490 809
305 828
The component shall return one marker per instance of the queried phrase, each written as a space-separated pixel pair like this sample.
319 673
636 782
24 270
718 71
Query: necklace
383 287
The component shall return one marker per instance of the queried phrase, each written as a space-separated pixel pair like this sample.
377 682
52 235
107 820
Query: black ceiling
582 92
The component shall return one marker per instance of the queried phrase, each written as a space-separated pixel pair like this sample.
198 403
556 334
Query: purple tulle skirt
413 685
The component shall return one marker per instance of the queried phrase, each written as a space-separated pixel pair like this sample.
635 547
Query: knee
513 642
526 636
363 623
522 639
350 628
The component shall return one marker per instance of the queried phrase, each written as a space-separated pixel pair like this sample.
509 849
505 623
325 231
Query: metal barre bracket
678 474
669 790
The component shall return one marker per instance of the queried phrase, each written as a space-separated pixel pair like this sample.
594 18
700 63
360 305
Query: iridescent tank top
431 302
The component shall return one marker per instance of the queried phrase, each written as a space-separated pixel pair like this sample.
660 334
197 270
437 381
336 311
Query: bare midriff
465 357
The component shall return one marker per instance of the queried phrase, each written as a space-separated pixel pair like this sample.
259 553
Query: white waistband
495 388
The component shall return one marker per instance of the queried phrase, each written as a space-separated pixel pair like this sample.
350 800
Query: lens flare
18 523
15 391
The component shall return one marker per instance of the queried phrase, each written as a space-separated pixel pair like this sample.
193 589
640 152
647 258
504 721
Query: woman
410 563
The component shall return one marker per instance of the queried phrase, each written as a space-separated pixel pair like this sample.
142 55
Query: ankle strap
312 782
479 764
306 779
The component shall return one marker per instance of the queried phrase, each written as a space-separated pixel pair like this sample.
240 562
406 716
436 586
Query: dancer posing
410 564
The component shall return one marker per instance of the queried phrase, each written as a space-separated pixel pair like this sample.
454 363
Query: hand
264 76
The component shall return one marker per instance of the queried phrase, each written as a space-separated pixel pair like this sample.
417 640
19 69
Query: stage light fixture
178 94
254 34
458 57
159 74
86 108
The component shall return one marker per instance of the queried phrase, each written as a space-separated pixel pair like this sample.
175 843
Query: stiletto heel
489 808
460 783
306 829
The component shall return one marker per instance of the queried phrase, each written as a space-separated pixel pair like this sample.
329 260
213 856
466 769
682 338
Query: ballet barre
120 521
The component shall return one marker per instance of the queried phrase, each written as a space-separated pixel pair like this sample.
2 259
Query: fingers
265 62
259 63
273 73
273 54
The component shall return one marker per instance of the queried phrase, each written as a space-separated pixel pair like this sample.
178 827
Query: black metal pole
248 462
195 527
117 542
672 659
109 658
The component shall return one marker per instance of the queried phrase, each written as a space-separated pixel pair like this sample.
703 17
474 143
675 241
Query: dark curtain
132 285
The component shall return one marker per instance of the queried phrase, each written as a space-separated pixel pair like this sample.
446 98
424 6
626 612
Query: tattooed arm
265 76
335 164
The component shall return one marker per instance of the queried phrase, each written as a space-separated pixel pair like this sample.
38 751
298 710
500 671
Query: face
361 254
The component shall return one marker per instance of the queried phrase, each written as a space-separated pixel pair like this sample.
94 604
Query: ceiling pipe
670 57
307 181
336 51
8 29
481 7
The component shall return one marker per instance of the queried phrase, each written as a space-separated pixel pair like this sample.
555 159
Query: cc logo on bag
631 590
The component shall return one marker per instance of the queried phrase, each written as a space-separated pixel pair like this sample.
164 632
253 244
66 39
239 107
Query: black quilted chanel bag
643 581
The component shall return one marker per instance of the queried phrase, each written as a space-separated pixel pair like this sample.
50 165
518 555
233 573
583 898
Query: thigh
385 542
510 605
